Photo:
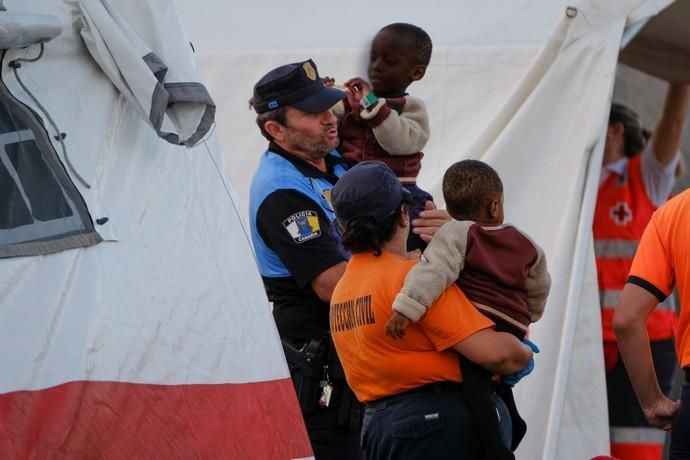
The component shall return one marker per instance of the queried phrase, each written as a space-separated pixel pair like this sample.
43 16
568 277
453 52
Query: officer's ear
275 130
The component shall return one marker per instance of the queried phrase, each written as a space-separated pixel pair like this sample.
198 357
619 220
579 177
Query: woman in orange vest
662 261
415 404
637 177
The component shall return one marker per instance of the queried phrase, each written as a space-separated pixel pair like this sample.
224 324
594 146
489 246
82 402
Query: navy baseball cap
368 189
296 85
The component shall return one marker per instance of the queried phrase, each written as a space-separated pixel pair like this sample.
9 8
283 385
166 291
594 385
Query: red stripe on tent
127 420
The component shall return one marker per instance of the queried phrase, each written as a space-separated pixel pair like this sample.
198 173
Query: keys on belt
326 388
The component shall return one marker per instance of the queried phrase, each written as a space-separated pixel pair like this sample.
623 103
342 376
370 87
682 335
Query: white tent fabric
180 110
524 85
138 179
159 341
14 32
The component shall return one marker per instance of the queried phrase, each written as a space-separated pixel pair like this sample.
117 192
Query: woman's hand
429 221
512 379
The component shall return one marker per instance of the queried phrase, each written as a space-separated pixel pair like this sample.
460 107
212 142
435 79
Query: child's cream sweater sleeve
401 134
538 284
438 268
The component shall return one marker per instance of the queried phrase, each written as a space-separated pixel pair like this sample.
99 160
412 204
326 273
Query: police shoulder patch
303 226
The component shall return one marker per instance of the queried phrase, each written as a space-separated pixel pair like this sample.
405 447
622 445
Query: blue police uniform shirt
295 236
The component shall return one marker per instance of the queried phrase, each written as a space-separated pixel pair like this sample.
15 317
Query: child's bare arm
438 268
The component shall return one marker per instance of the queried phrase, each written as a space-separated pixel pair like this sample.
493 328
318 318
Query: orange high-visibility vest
622 212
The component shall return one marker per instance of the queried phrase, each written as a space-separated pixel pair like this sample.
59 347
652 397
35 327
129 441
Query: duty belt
436 387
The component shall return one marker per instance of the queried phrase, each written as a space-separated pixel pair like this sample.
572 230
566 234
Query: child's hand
328 81
396 325
358 87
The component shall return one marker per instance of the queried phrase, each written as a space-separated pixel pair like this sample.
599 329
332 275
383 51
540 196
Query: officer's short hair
278 115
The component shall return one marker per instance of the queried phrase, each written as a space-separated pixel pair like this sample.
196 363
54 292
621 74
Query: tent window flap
41 210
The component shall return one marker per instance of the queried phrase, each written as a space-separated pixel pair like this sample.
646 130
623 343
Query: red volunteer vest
622 212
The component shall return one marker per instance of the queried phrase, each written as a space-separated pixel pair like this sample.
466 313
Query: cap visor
320 101
407 196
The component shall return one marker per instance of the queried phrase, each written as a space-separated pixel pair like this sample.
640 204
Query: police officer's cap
296 85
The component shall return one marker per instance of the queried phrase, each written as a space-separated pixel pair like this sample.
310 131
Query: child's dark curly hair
421 42
468 186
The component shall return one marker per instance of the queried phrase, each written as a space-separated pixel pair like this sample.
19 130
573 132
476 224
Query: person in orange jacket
637 177
662 261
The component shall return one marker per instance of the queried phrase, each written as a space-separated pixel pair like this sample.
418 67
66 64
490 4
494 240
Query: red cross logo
621 213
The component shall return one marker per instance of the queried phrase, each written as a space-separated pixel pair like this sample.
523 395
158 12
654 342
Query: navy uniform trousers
432 421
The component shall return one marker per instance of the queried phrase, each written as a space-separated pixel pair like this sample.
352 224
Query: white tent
133 321
524 85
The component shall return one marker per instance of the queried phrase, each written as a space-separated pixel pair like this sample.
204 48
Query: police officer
298 247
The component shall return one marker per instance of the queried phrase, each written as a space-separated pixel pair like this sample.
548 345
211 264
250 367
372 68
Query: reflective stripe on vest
608 299
637 435
615 249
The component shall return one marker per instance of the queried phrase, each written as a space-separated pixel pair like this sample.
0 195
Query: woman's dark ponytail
365 234
635 137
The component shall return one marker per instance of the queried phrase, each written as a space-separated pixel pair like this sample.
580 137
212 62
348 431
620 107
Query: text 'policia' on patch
303 226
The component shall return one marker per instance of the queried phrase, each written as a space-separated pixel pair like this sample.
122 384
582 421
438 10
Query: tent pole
573 303
631 31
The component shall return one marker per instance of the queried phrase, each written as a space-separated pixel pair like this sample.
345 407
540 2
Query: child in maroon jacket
500 269
382 122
